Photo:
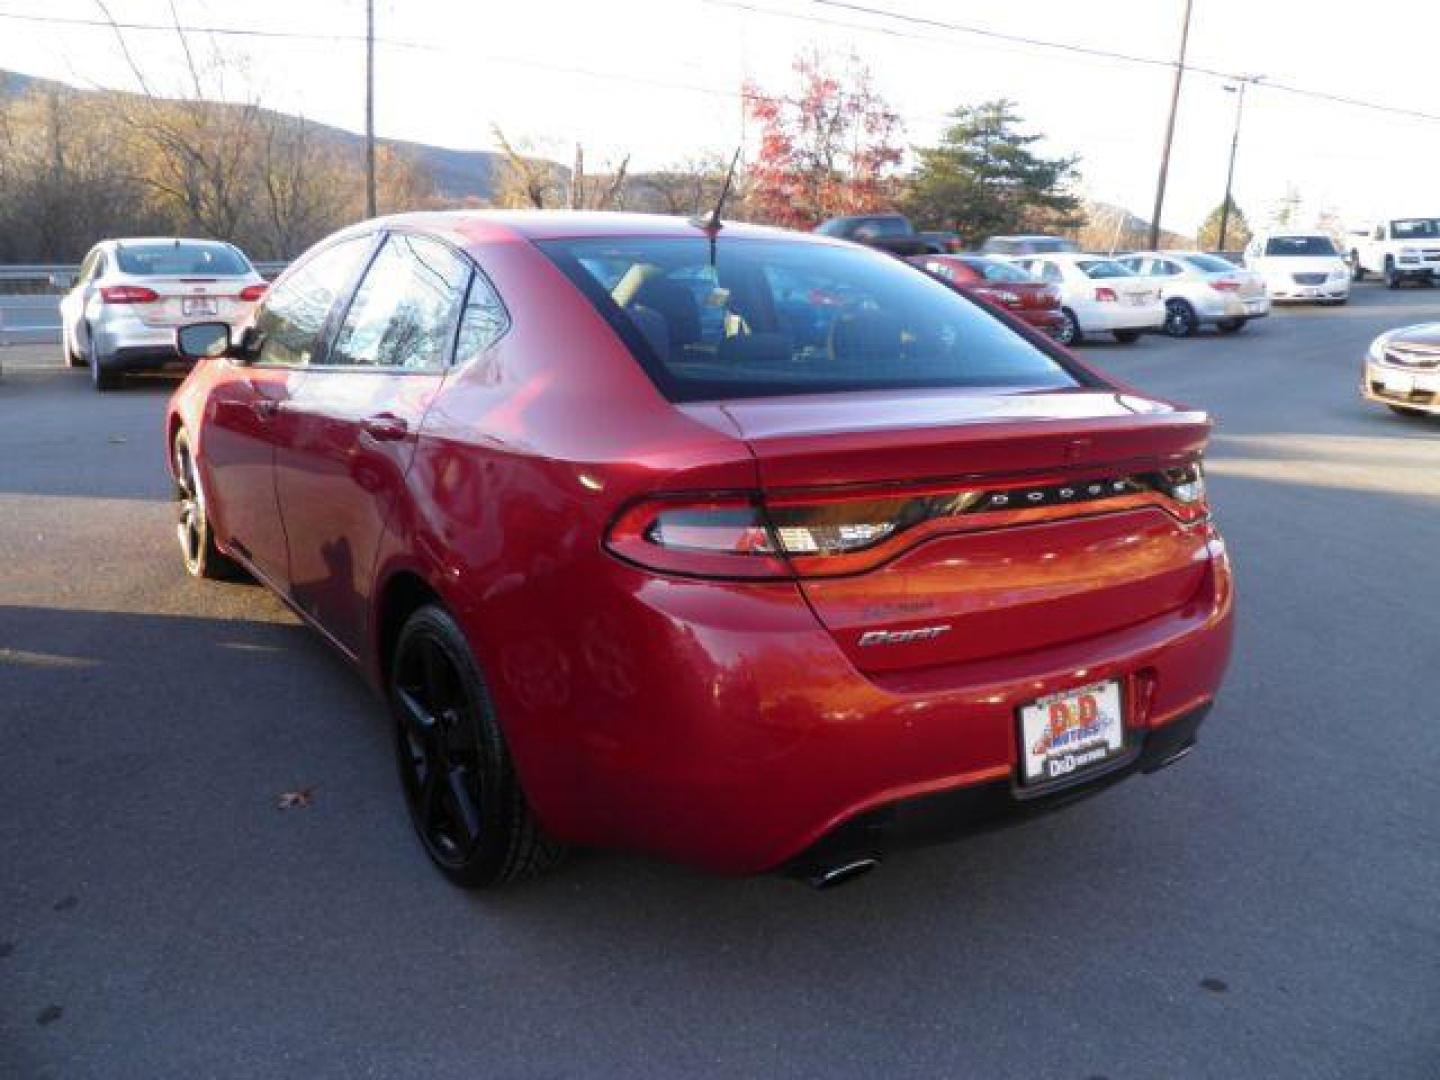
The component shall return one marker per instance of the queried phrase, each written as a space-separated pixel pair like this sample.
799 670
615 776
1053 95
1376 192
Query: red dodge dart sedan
744 548
1004 284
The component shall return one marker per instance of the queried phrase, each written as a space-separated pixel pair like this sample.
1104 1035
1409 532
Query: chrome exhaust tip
842 873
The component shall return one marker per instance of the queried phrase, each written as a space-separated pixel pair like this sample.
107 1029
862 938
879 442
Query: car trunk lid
937 528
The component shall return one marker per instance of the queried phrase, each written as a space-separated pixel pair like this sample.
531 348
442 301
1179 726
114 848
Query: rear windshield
1299 245
991 270
771 317
1102 268
185 259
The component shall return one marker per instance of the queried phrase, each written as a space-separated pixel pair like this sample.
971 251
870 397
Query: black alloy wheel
464 798
1180 320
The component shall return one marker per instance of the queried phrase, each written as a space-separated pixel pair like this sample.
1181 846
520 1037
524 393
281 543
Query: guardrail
56 278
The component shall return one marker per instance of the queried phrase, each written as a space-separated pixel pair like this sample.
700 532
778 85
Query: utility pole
1234 144
1170 131
370 210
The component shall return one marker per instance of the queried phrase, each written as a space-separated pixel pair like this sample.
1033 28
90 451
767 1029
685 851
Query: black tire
1230 326
1069 332
1392 275
1405 410
464 797
201 557
1127 337
101 377
1357 272
1180 319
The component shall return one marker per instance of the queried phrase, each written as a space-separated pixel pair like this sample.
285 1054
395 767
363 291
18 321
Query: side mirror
203 341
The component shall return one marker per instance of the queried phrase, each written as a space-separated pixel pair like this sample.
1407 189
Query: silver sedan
122 313
1402 370
1200 290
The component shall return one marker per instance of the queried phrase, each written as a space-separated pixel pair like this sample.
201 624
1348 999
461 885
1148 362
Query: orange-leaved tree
831 147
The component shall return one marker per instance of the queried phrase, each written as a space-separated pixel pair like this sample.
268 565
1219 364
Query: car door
354 422
246 414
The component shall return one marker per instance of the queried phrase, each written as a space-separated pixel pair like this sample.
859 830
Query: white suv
1399 249
130 296
1300 266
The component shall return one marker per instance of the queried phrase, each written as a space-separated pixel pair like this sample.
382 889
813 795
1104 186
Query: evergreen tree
984 179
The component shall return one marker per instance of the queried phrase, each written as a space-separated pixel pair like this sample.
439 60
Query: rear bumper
950 815
130 344
755 738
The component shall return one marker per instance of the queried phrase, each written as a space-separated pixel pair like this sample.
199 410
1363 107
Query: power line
1043 43
937 24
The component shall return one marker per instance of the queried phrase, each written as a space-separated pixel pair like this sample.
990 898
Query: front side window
403 315
1299 246
770 317
290 321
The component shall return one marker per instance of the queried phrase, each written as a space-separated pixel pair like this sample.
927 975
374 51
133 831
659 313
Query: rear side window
770 317
180 258
1211 264
403 315
1102 268
295 311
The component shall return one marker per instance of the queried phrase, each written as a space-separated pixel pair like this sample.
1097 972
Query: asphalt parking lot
1267 908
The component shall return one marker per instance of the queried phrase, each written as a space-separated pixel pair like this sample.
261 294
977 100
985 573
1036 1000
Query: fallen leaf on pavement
296 800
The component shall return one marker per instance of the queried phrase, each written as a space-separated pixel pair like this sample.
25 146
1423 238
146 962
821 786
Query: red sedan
744 548
1001 283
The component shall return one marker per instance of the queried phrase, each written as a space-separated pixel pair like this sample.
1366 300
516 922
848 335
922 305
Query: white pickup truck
1397 249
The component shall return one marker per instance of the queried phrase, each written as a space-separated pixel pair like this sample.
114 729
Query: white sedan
1300 266
1098 295
122 313
1202 290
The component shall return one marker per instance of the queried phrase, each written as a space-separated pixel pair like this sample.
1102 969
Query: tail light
821 535
1225 285
127 294
1106 295
251 293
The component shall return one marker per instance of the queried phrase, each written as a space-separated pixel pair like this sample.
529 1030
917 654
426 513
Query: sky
658 79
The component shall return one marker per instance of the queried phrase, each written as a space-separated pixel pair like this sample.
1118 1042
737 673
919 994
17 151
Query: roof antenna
712 224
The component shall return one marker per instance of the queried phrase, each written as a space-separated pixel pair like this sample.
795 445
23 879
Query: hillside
458 175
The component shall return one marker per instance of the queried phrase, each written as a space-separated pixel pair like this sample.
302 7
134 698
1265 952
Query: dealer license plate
197 305
1071 733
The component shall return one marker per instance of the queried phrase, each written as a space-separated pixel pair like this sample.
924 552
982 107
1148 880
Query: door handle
385 427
